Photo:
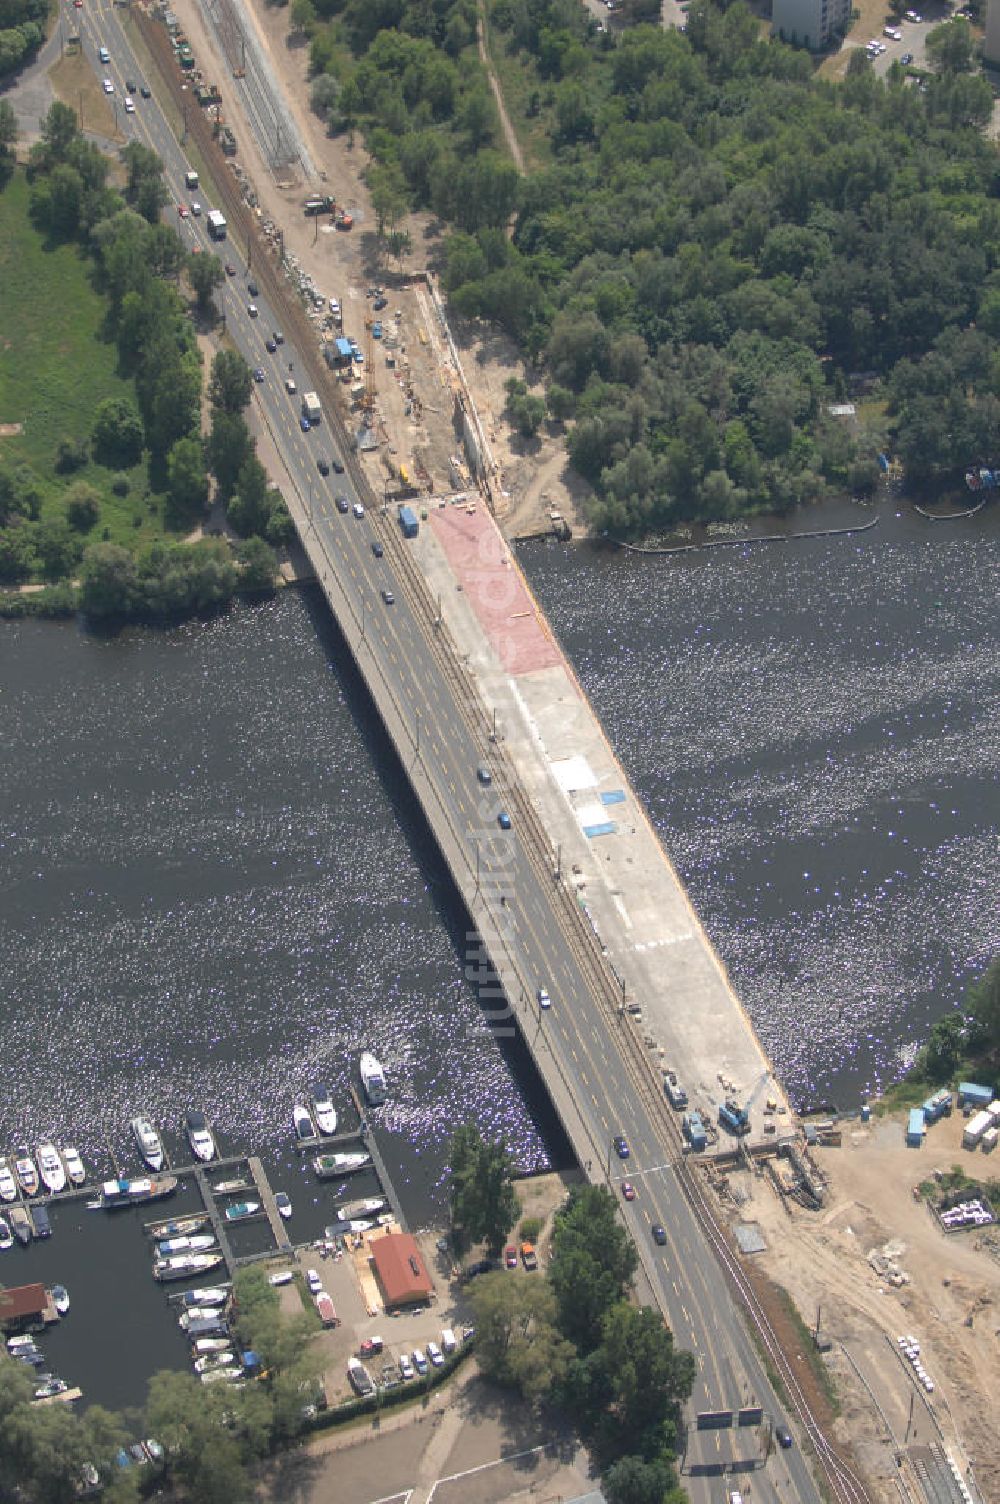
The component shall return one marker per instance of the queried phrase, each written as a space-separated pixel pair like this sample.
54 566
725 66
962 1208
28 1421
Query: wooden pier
217 1221
368 1139
268 1203
67 1396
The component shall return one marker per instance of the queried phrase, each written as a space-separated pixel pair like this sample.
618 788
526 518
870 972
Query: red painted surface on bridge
504 607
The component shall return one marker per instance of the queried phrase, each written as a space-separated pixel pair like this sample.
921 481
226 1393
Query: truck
975 1128
310 407
989 1143
676 1095
733 1117
937 1106
190 180
408 522
319 203
694 1130
216 222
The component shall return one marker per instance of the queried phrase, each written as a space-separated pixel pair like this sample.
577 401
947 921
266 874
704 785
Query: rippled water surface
216 891
815 729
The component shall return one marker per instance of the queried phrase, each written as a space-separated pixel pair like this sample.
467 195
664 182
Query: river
217 890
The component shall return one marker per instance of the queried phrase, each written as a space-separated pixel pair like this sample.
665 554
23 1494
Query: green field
56 365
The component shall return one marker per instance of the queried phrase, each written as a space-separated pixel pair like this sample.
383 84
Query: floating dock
367 1137
270 1208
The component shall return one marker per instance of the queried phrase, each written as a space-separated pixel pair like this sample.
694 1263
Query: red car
628 1190
510 1257
182 210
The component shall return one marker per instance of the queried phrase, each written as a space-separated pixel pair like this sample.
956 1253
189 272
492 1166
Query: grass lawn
56 365
518 83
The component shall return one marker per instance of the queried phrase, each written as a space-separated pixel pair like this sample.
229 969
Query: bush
530 1228
82 506
121 485
71 454
117 433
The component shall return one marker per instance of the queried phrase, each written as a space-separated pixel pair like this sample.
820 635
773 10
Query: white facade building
813 23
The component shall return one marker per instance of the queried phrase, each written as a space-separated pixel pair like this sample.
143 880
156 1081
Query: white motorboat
148 1142
214 1315
324 1111
6 1236
207 1295
211 1344
282 1201
185 1244
74 1165
358 1224
305 1128
366 1208
372 1078
8 1185
333 1166
200 1136
129 1192
51 1168
215 1375
60 1298
27 1175
213 1360
229 1187
179 1266
281 1277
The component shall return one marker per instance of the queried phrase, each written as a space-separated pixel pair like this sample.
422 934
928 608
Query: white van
448 1343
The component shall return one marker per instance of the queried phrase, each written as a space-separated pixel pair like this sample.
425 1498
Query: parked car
405 1366
510 1256
529 1258
313 1281
419 1360
435 1354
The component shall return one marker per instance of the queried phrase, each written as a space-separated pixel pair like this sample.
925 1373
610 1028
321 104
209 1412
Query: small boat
148 1142
203 1321
8 1185
50 1389
214 1375
20 1221
372 1078
213 1360
51 1167
281 1277
241 1210
6 1236
228 1187
198 1244
283 1202
324 1111
200 1136
74 1165
27 1175
207 1295
305 1128
359 1224
60 1298
40 1217
366 1208
212 1344
183 1264
334 1166
124 1192
180 1226
19 1344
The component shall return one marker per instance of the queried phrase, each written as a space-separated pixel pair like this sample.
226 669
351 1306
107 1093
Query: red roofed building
400 1270
23 1305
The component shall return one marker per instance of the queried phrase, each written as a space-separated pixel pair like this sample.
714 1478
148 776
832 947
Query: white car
313 1281
252 310
405 1366
359 510
109 87
544 1001
419 1361
129 105
435 1354
290 385
196 209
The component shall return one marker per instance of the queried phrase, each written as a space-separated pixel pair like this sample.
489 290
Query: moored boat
51 1168
210 1361
6 1236
334 1166
203 1322
148 1142
60 1298
75 1168
206 1295
365 1208
372 1078
200 1136
305 1128
358 1224
40 1217
23 1228
212 1344
324 1111
241 1210
229 1187
50 1389
27 1175
184 1244
283 1202
178 1227
184 1264
115 1193
8 1185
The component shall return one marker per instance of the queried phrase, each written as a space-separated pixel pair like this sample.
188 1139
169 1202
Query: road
580 1043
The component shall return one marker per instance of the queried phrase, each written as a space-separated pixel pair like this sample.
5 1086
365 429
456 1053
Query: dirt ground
415 393
950 1300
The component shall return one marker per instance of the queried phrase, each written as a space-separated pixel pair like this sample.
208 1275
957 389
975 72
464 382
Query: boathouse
400 1270
24 1306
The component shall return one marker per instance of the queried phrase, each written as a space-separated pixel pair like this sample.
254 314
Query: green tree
650 1380
145 189
593 1261
323 96
231 382
187 480
59 131
229 447
82 506
116 433
189 1421
205 273
387 188
58 547
259 565
633 1480
523 411
249 508
484 1204
303 14
516 1340
109 581
951 48
71 454
983 1000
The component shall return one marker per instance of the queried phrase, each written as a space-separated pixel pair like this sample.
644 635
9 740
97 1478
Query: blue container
866 1112
916 1128
970 1094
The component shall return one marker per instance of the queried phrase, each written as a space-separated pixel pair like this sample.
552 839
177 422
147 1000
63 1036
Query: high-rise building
813 23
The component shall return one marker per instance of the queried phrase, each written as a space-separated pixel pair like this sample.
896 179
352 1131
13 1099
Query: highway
584 1052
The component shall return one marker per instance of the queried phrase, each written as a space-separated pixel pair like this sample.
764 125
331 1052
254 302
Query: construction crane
368 405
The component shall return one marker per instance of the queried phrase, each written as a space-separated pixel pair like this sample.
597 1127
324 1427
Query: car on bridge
659 1233
342 504
322 465
544 1001
377 549
503 820
783 1436
304 424
621 1146
388 597
628 1190
358 510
